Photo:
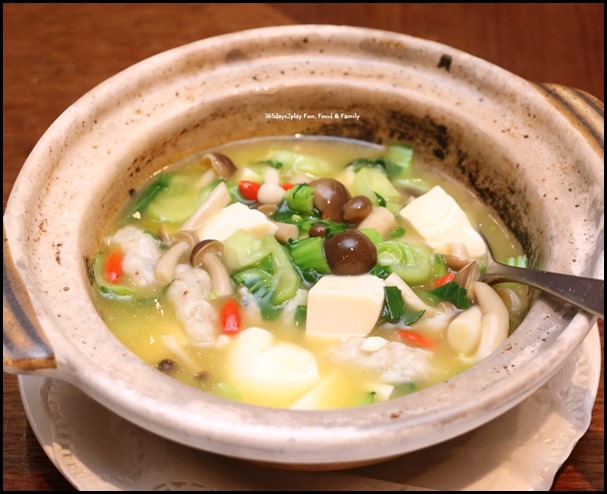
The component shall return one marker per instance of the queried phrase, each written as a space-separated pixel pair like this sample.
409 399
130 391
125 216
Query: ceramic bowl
532 152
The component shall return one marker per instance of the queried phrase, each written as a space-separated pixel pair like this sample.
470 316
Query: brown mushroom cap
267 209
357 209
206 254
186 236
350 253
330 195
204 247
469 274
223 166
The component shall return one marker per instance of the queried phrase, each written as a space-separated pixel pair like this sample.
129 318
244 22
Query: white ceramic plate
520 450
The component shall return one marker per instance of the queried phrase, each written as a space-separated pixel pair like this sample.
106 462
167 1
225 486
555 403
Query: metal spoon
586 293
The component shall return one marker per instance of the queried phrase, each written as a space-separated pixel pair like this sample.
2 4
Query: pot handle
25 347
584 111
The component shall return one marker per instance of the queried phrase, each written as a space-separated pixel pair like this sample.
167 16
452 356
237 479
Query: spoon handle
586 293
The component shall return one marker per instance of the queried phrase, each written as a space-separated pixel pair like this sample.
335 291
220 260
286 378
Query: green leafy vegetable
397 233
285 280
295 163
300 198
394 305
452 292
373 235
301 313
403 388
259 284
272 163
304 222
176 202
395 310
111 290
308 255
439 266
374 183
273 281
162 182
410 262
242 250
398 160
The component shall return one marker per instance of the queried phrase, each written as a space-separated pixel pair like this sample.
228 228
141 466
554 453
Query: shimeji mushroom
457 255
482 328
165 269
467 275
218 199
185 238
285 231
221 164
206 254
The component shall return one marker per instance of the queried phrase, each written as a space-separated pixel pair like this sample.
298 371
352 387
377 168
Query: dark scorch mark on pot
445 62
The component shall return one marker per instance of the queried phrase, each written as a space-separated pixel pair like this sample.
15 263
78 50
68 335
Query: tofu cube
439 220
235 217
344 306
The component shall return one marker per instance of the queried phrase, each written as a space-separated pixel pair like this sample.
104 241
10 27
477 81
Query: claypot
533 152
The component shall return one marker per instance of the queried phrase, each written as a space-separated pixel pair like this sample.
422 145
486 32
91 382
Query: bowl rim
305 432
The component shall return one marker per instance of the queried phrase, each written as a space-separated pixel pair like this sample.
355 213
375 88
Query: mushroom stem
454 262
165 269
206 254
464 332
381 219
218 199
457 252
468 275
271 176
221 164
220 277
495 319
206 179
285 231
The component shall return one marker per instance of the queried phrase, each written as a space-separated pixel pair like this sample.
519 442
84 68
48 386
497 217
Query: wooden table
55 53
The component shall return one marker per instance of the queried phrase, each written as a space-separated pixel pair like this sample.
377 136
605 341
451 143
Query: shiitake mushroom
350 253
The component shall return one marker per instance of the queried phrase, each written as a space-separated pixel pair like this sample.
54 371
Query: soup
305 273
